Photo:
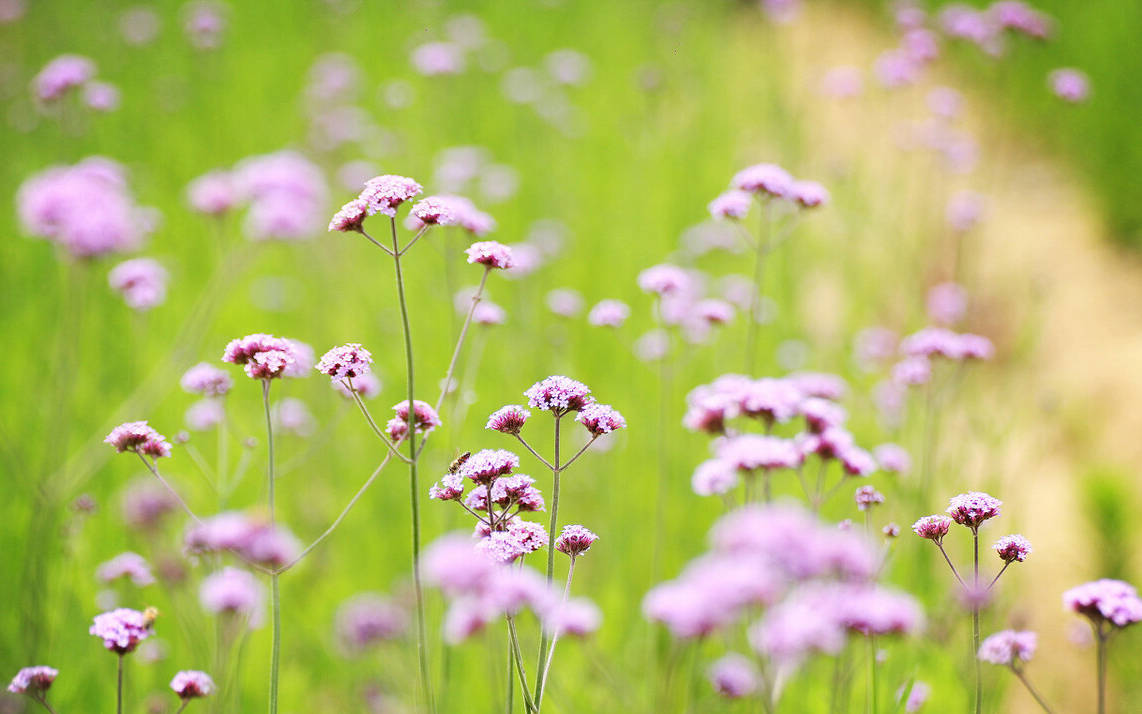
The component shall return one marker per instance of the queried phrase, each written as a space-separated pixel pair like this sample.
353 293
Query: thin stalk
373 424
555 636
222 455
519 665
949 562
996 578
375 242
414 490
511 674
1101 657
579 453
183 706
975 624
872 703
119 688
155 471
43 702
755 297
415 238
276 642
1026 683
333 526
550 564
527 446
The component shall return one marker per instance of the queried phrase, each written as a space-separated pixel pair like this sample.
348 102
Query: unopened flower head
486 465
191 684
575 540
491 254
1013 548
384 194
207 380
122 630
33 680
600 419
1008 648
348 361
508 420
559 395
866 497
973 508
933 527
140 438
609 313
1105 600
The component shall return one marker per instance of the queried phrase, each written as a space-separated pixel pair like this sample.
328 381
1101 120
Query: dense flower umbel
734 676
1105 600
932 527
234 592
491 254
33 680
1008 648
600 419
348 361
575 540
1013 548
866 497
212 193
973 508
126 565
141 281
137 436
61 75
732 204
191 684
434 211
486 465
608 313
508 420
122 630
207 380
767 179
384 194
265 356
559 395
350 217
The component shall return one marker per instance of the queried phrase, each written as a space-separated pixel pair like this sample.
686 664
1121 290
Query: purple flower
1009 647
367 619
734 676
140 438
665 280
434 211
565 302
821 414
33 680
578 617
425 418
491 254
947 303
732 204
890 530
486 465
1013 548
287 195
973 508
213 193
600 419
347 362
1105 600
1069 84
917 696
450 487
559 395
752 452
126 565
141 281
265 356
438 58
715 476
768 179
207 380
122 630
205 24
609 313
933 527
575 540
809 194
233 591
508 420
62 74
350 217
191 684
856 461
366 386
101 96
892 458
146 503
912 371
866 497
488 313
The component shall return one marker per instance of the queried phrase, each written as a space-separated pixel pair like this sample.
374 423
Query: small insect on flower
459 461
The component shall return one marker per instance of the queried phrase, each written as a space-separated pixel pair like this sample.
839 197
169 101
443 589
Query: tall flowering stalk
1012 650
1109 606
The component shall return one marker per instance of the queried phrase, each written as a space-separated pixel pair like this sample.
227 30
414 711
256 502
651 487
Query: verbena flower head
732 204
577 617
600 419
866 497
917 696
146 503
973 508
508 420
771 400
565 302
235 592
350 217
947 303
767 179
486 465
122 630
809 194
286 194
212 193
33 680
491 254
933 527
1013 548
1008 648
753 452
714 477
821 414
890 530
448 211
61 75
349 361
734 676
434 211
191 684
367 619
138 437
384 194
1105 600
1069 84
856 461
487 312
665 280
141 281
450 487
559 395
126 565
265 356
892 458
609 313
575 540
912 371
874 610
207 380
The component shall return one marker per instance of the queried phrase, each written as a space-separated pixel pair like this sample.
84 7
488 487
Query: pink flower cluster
192 684
973 508
141 281
251 539
207 380
769 181
66 73
1008 648
139 437
559 395
267 357
122 630
286 193
491 254
508 420
575 540
450 210
126 565
232 591
681 303
87 209
33 680
347 362
1106 600
366 619
424 419
1013 548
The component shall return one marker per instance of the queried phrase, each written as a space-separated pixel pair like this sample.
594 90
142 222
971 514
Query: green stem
555 635
511 673
119 688
43 702
553 523
975 624
530 706
872 703
275 606
414 490
755 298
1100 638
1026 683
